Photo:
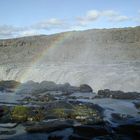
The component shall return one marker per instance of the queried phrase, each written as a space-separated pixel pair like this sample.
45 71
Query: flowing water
117 76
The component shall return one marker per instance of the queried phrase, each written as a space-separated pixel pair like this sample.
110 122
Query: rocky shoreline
58 112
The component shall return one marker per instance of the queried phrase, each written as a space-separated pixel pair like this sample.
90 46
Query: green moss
20 113
83 110
39 115
59 112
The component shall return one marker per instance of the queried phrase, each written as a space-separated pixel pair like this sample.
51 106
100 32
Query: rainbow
58 41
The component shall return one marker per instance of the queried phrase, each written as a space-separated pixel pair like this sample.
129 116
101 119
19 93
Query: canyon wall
104 58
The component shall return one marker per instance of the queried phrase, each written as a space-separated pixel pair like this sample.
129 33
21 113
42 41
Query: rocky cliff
106 58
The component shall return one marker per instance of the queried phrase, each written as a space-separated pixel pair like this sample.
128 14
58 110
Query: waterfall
113 76
108 58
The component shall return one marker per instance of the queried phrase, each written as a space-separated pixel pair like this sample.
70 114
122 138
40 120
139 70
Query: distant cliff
89 46
104 58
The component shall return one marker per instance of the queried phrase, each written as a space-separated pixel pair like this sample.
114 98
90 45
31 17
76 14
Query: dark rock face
131 130
8 85
76 137
11 132
55 138
5 116
1 112
118 94
122 118
35 87
137 104
90 131
85 88
49 127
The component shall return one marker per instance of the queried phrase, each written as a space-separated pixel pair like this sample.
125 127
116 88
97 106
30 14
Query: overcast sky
31 17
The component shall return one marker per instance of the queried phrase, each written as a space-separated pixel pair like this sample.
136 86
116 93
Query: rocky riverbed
65 112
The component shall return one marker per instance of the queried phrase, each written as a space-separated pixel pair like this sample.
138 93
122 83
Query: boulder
137 104
1 112
55 138
88 131
48 127
8 132
106 93
120 117
8 85
76 137
85 88
132 130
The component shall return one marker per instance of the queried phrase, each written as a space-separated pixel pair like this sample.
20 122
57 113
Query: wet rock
117 94
55 137
113 137
20 113
48 127
90 131
132 130
137 105
85 88
32 87
104 93
85 113
8 85
105 138
6 132
76 137
1 112
120 117
38 98
5 116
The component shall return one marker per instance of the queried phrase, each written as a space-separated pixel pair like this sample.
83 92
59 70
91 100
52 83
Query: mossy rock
20 113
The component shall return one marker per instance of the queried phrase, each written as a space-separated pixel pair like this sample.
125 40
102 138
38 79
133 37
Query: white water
123 76
100 58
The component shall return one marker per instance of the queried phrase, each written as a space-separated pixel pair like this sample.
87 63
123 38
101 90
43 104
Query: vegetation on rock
20 113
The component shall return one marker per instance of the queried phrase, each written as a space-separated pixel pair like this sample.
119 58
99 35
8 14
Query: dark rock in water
137 105
32 87
105 138
104 93
6 132
1 111
55 137
8 85
117 94
90 131
120 117
76 137
48 127
85 88
132 130
113 137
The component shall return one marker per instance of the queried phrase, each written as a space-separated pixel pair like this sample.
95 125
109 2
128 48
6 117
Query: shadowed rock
117 94
90 131
9 85
48 127
85 88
